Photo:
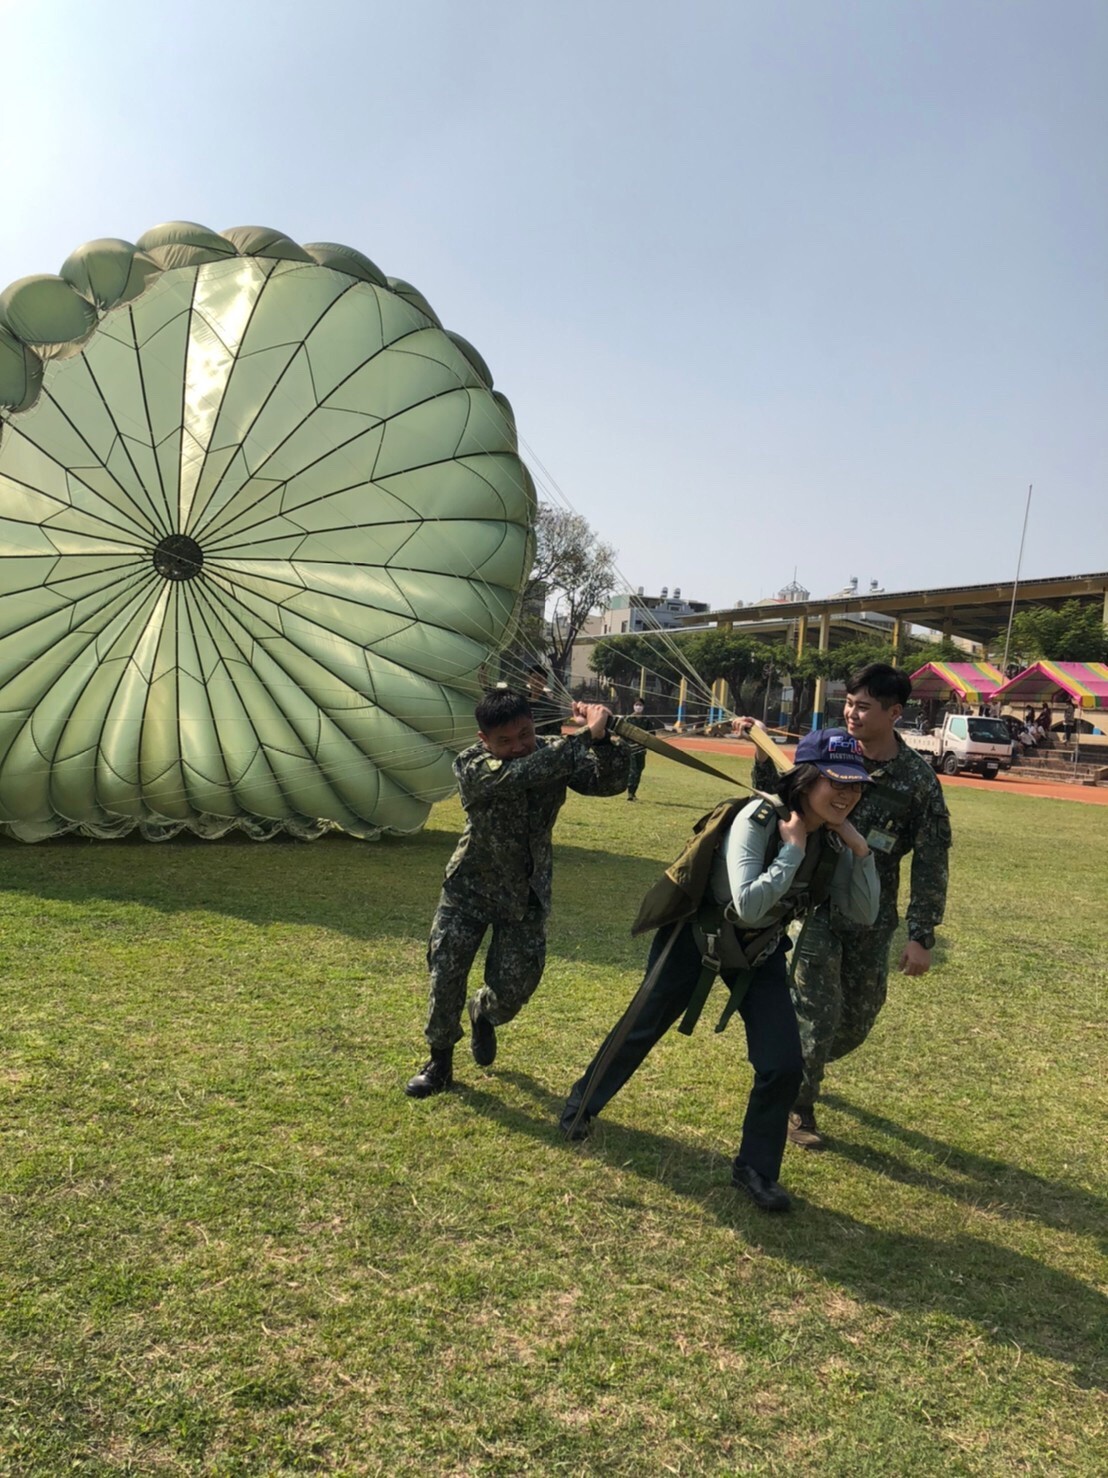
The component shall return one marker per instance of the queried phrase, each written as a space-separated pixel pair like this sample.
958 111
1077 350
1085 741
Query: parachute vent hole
177 557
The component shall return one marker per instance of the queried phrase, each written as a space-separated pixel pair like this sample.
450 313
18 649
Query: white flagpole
1015 585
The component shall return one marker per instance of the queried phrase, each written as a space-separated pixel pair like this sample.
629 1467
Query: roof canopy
974 611
1085 682
976 682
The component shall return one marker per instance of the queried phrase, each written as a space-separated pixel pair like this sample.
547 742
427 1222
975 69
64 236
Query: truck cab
964 743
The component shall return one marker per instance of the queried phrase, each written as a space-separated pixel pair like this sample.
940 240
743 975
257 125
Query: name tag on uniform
880 840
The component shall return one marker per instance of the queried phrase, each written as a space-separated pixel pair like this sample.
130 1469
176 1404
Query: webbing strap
700 994
738 990
631 732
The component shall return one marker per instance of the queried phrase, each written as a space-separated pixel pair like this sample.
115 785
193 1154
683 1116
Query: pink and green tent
1085 682
971 682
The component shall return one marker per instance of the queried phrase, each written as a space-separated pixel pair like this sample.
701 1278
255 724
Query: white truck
982 746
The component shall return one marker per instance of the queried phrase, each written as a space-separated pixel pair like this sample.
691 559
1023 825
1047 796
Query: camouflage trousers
636 765
513 967
839 985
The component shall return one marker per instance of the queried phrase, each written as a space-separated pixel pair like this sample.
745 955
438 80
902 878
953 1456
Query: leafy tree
620 660
726 654
1073 633
836 664
573 574
945 650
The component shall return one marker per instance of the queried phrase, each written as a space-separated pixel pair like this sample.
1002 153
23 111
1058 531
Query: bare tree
574 571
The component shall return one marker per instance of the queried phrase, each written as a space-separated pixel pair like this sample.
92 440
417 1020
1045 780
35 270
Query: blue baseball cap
834 754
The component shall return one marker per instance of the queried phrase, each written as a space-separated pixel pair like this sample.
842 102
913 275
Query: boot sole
814 1145
482 1041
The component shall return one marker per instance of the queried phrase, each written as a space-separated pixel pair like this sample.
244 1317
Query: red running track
1006 783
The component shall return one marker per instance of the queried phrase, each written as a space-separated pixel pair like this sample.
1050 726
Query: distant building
640 612
628 613
787 595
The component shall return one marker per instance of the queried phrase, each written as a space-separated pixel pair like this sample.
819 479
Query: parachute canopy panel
262 520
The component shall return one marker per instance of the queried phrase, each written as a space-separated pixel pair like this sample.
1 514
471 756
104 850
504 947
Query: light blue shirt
741 878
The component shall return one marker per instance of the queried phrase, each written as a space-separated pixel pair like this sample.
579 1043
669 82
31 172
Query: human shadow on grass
360 889
1010 1297
1003 1189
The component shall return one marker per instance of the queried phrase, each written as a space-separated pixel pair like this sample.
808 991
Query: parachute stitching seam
301 344
149 423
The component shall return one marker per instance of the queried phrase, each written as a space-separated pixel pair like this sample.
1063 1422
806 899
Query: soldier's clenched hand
792 830
594 716
915 960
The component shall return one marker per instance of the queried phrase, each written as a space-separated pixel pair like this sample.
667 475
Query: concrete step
1060 774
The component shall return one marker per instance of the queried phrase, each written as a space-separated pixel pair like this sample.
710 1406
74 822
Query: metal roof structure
975 612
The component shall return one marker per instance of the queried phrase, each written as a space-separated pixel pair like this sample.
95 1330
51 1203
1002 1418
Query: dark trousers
772 1045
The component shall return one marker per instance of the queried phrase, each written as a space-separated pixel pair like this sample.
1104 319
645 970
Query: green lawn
230 1245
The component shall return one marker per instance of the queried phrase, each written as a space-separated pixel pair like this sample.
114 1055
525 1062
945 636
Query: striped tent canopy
973 682
1085 682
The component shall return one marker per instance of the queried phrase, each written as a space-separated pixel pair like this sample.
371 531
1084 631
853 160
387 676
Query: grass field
230 1245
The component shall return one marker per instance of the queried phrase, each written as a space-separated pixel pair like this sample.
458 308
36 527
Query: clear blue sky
768 284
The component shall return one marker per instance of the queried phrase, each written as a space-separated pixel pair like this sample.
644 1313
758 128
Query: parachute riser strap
634 735
761 740
707 942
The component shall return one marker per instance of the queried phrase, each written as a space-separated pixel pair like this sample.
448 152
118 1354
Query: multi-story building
640 612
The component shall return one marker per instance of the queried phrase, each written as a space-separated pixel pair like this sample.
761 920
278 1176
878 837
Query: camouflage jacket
505 852
644 722
903 811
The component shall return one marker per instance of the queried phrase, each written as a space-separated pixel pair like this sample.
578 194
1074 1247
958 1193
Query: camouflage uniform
841 970
638 752
500 873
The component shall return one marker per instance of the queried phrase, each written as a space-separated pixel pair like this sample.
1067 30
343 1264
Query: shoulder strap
678 892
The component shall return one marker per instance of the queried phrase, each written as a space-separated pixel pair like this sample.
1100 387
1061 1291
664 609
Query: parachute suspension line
681 665
680 658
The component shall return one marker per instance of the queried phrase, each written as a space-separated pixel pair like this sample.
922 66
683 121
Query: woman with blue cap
724 907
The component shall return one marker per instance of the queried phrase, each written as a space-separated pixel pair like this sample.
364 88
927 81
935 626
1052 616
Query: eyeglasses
845 784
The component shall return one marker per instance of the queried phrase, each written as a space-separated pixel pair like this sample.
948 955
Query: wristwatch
923 937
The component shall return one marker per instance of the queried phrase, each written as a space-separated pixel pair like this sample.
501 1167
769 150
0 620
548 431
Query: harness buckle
710 957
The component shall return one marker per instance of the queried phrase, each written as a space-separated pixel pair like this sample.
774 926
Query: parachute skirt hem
205 828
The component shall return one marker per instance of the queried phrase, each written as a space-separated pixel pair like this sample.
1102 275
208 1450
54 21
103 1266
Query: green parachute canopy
262 520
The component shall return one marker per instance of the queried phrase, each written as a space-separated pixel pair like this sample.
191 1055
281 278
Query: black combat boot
766 1194
482 1041
575 1132
435 1076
